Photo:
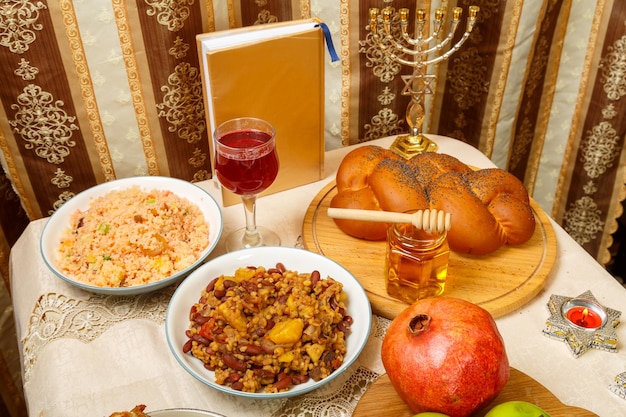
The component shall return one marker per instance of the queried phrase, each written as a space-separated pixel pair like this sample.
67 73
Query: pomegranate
445 355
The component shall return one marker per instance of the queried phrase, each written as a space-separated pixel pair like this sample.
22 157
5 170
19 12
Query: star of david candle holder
582 322
418 52
619 388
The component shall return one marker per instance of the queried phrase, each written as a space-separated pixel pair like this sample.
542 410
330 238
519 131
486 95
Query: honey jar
416 263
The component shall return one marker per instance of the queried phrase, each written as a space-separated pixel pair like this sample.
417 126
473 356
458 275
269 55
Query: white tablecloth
92 355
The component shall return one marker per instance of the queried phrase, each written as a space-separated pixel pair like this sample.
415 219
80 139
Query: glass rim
271 129
433 236
249 152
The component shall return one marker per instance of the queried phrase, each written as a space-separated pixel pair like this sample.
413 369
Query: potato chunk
287 332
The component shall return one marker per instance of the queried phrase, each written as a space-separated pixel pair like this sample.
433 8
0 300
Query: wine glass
246 164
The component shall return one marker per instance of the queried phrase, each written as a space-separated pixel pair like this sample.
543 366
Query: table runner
65 322
140 352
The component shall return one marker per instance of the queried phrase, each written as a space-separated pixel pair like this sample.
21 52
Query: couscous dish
131 237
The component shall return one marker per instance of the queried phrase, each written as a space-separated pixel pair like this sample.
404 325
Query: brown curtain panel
593 176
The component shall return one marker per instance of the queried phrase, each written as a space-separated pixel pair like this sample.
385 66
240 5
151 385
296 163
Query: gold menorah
417 52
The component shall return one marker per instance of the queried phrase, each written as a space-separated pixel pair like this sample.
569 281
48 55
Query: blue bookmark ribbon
329 42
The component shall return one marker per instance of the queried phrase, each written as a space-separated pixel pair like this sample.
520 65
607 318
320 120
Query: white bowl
188 293
60 221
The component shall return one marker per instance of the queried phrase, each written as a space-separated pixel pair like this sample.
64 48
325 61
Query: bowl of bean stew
268 322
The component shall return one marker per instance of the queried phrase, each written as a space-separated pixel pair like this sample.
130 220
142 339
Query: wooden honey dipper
427 220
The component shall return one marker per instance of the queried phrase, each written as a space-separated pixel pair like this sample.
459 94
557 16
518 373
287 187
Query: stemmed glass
246 163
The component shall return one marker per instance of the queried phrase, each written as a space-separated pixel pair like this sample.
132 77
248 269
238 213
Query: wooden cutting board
500 282
382 396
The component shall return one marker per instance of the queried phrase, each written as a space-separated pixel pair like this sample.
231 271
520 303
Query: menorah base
407 146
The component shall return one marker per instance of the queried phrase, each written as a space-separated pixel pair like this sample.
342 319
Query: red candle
584 317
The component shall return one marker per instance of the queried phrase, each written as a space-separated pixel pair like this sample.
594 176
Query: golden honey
416 264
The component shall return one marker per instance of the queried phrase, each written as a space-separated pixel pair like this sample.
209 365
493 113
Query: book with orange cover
274 72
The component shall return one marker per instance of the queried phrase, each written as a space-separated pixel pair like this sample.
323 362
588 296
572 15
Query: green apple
516 409
430 414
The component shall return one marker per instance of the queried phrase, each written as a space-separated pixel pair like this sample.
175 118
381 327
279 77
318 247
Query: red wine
244 166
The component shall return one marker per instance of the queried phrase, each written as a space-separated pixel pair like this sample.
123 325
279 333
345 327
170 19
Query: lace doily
339 402
57 316
379 327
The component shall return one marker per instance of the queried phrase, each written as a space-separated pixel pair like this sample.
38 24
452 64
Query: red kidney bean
299 379
200 319
251 350
274 271
315 277
188 333
211 285
233 362
209 367
345 323
192 312
249 286
283 383
187 346
237 386
219 293
264 373
233 377
229 283
202 340
281 267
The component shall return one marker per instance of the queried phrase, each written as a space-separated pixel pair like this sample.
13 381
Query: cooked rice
130 237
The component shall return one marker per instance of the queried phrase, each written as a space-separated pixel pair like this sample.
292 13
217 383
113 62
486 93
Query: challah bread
431 165
489 207
374 178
